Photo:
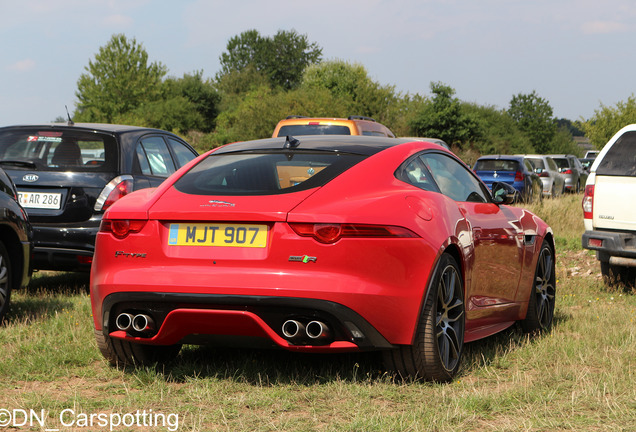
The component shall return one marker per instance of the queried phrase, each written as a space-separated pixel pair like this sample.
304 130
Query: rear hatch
240 201
615 186
492 170
59 173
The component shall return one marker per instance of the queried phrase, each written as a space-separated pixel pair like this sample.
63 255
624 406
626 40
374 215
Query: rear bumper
209 318
63 247
618 244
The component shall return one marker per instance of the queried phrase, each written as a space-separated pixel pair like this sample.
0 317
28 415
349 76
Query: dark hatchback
67 175
15 243
517 171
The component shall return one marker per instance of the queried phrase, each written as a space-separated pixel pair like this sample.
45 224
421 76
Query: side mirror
503 193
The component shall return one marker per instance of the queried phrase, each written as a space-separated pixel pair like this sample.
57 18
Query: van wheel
614 275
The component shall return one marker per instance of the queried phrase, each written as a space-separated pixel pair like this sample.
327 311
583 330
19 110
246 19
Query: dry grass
580 376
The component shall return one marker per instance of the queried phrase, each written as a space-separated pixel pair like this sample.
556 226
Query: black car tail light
115 189
331 233
120 228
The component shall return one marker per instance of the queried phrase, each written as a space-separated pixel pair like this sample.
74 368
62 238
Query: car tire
614 275
439 339
5 281
123 353
542 297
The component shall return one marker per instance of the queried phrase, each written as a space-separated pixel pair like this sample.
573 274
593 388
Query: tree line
264 79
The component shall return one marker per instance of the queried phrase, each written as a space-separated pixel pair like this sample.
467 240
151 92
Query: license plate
40 200
232 235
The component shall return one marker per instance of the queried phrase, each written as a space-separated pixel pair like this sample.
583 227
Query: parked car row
534 176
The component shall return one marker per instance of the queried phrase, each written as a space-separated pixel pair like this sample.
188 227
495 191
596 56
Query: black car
15 243
67 175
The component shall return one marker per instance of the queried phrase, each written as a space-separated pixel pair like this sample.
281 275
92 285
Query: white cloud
22 65
120 21
603 27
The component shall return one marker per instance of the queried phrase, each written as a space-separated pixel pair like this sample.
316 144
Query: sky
576 54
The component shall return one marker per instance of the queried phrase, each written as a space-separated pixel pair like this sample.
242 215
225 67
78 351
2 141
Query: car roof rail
357 117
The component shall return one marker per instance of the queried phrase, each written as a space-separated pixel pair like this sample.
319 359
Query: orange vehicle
353 125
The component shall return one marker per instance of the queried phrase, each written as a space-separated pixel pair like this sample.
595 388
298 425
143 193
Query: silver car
553 181
570 167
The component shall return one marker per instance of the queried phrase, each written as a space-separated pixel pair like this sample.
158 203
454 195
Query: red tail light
331 233
120 228
114 190
588 202
567 171
544 174
519 176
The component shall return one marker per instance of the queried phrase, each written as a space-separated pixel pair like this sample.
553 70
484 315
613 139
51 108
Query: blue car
517 171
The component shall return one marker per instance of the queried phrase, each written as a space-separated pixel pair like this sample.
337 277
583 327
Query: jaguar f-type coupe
321 244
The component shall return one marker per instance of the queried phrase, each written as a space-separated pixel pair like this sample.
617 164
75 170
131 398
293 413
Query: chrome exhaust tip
293 329
124 321
143 323
317 330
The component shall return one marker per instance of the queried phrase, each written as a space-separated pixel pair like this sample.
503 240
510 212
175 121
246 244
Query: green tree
607 120
117 81
533 116
444 118
351 84
261 109
281 58
201 95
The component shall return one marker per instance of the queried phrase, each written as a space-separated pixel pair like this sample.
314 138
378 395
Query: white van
609 207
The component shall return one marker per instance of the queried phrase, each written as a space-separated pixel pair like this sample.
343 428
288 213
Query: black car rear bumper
63 248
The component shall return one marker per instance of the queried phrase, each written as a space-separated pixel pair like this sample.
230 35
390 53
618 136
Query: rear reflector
595 243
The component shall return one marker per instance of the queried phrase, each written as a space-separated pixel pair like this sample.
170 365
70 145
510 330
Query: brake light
519 176
567 171
120 228
331 233
588 202
544 174
114 190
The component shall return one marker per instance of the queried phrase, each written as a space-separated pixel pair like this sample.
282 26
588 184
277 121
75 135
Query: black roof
100 127
357 144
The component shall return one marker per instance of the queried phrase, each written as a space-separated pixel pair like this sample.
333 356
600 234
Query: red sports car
321 244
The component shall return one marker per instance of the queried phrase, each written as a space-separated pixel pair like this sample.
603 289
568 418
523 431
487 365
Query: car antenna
70 121
291 142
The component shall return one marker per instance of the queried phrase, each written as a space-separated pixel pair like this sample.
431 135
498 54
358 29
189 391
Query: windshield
264 173
57 150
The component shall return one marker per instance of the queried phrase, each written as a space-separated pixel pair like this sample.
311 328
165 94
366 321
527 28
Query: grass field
579 377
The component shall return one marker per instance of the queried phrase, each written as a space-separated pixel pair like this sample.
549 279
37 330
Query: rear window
58 150
538 163
561 162
313 130
620 159
496 165
264 173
